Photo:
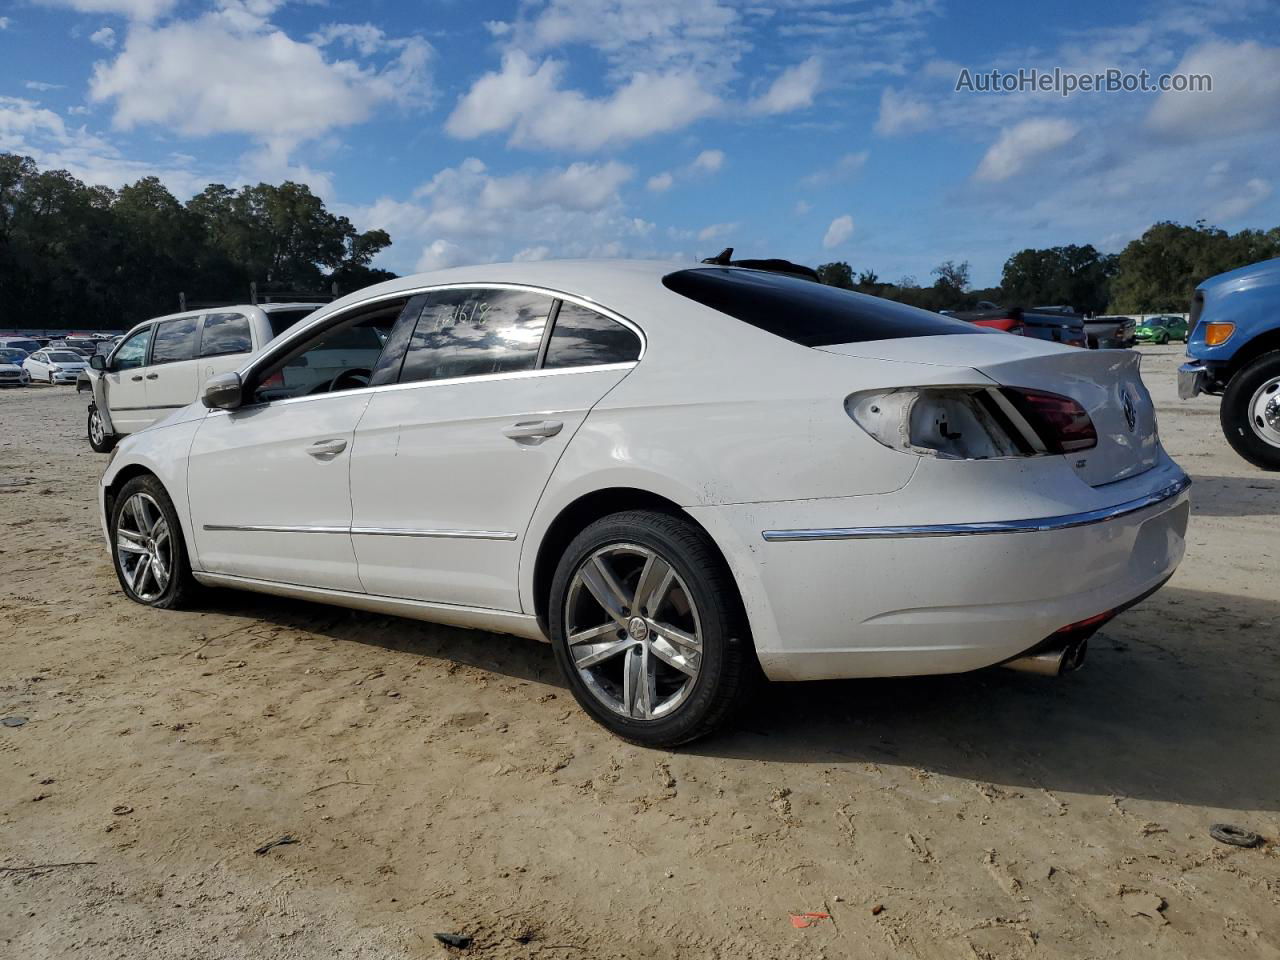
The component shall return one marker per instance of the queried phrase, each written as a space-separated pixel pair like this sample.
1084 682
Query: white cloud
901 113
793 89
525 98
133 9
251 79
468 214
709 161
103 37
716 230
42 87
1254 192
847 166
1019 145
803 207
4 23
29 129
1245 95
704 164
841 229
660 182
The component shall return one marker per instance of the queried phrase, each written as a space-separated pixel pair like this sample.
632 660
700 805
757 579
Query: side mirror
98 362
223 392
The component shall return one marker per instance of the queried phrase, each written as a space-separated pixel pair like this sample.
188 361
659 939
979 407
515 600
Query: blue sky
481 131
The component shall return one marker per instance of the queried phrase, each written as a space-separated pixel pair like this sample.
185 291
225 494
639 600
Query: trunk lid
1107 383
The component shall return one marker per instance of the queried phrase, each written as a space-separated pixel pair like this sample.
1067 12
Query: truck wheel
99 439
1251 412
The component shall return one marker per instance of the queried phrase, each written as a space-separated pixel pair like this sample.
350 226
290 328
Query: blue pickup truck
1234 353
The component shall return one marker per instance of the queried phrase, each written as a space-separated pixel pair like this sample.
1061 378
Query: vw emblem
1130 414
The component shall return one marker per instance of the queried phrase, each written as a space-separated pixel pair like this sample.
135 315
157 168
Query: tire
99 439
700 600
178 587
1259 381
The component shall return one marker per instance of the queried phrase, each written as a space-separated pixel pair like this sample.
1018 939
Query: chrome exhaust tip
1053 662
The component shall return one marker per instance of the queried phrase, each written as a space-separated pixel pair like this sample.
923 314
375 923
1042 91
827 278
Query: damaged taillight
973 423
1061 423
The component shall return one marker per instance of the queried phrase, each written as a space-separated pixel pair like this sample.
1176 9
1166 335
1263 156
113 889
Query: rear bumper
893 601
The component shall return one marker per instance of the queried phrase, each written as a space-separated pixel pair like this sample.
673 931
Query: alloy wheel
1264 412
97 432
144 547
633 631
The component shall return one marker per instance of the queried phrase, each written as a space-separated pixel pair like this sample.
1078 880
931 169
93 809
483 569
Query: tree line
1156 273
84 257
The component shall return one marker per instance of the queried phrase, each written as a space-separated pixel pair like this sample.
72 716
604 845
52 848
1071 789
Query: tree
838 274
1076 276
953 278
87 257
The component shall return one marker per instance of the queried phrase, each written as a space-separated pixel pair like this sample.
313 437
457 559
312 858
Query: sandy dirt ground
444 780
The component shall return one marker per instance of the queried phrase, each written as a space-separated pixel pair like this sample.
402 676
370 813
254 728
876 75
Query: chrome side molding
364 531
1036 525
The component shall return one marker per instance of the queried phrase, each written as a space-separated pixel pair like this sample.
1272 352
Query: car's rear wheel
1251 412
648 629
99 439
147 547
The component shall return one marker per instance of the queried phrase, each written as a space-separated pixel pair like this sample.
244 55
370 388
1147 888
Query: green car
1162 329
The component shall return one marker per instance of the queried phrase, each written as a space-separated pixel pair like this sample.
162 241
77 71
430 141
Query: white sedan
679 476
55 366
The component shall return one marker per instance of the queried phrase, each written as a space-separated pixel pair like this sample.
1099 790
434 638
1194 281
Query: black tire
181 587
1235 413
728 669
108 441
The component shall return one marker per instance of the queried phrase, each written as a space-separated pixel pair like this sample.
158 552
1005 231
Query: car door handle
529 429
153 376
327 448
136 379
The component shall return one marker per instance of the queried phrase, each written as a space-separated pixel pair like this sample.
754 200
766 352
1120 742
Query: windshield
810 314
12 356
65 356
28 345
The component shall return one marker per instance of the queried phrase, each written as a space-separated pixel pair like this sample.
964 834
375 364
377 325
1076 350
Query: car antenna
721 259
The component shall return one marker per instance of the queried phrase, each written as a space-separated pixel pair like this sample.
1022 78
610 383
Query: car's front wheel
648 628
99 439
1251 412
147 546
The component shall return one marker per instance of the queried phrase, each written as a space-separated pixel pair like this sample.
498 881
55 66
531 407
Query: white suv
160 365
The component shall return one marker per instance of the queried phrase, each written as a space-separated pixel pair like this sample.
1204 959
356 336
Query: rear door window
475 332
175 340
808 313
584 338
225 333
282 320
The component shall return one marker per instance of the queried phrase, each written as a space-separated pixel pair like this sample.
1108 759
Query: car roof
627 287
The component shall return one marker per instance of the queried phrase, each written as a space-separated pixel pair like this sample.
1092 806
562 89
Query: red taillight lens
1061 423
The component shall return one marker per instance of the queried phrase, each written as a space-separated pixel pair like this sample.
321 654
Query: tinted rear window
282 320
810 314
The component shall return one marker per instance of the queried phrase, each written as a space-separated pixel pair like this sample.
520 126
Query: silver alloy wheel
97 433
1264 412
633 631
144 547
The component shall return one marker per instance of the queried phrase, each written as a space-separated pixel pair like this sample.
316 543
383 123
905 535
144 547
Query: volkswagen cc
683 477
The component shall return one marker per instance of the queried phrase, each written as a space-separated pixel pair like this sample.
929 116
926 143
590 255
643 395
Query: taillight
973 423
1060 422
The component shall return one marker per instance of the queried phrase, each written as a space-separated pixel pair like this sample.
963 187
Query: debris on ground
278 842
877 909
457 940
802 920
122 809
1236 836
14 721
